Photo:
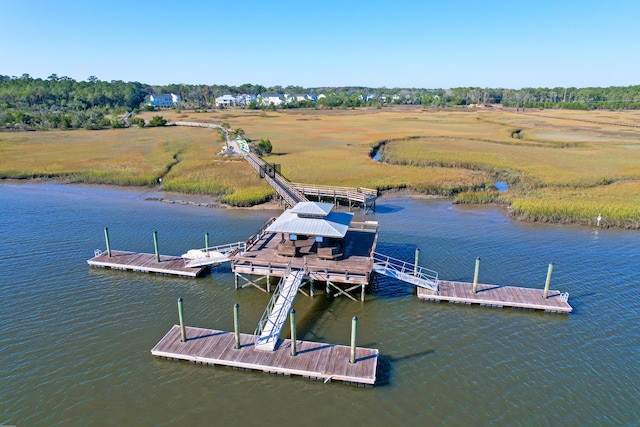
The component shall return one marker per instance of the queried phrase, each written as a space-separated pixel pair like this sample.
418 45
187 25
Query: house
164 100
225 101
301 97
246 99
271 99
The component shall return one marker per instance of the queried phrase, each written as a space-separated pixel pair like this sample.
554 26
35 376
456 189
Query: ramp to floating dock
313 360
407 272
275 315
144 263
498 296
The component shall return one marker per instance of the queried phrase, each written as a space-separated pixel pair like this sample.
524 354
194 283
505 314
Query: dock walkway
313 360
498 296
145 263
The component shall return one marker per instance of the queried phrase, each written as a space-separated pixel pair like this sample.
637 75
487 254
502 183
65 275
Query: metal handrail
264 320
405 271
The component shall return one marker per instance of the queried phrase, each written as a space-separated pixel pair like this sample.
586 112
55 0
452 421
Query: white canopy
312 219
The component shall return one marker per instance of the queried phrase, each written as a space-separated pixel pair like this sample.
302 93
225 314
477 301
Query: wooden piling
106 238
354 333
206 242
236 324
475 276
183 331
155 245
415 265
545 294
292 321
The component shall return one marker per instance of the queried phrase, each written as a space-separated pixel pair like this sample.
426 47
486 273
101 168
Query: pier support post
545 294
235 281
362 292
475 276
354 333
155 245
106 238
292 321
236 324
183 331
206 242
311 287
415 265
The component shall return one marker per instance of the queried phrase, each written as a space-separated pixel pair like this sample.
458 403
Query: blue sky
423 44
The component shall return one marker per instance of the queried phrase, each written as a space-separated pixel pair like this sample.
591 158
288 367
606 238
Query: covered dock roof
312 219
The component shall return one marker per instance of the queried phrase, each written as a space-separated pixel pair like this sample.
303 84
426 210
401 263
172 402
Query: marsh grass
566 166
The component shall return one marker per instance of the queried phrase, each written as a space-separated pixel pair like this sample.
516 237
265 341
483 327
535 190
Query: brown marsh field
561 165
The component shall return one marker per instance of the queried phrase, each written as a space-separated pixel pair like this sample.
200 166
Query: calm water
75 343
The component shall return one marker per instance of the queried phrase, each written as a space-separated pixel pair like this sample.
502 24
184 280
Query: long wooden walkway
497 296
313 360
145 263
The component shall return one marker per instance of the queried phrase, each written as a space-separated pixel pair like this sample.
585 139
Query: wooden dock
498 296
145 263
314 360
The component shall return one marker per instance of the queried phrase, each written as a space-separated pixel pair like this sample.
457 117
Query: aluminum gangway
275 315
213 255
405 271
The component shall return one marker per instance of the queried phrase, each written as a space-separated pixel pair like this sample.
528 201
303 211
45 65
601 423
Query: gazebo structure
311 236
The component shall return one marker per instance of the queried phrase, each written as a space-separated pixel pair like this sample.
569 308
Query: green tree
157 121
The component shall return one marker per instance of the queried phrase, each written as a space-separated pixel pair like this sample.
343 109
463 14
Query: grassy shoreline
563 167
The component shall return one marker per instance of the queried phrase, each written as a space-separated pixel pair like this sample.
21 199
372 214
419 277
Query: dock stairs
407 272
275 315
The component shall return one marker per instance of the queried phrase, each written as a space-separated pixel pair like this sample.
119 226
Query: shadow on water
388 209
386 362
305 323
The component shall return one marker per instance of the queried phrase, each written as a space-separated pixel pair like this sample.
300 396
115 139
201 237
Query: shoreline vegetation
561 166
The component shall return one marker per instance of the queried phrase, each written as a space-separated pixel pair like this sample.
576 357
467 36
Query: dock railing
258 234
359 194
280 308
405 271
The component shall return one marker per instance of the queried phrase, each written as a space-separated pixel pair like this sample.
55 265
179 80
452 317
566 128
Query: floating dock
498 296
145 263
320 361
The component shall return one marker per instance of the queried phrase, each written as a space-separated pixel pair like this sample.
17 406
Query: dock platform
314 360
498 296
145 263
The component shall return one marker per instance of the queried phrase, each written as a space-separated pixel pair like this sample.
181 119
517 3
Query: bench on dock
287 248
329 252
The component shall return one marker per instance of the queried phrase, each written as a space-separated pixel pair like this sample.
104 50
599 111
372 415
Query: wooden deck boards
314 360
353 267
145 263
496 295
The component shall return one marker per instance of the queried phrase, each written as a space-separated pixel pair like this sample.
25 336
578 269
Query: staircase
401 270
275 315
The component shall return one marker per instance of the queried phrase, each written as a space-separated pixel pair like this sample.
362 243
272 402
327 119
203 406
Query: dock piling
292 321
545 294
155 245
106 238
475 276
183 330
354 333
415 265
206 242
236 324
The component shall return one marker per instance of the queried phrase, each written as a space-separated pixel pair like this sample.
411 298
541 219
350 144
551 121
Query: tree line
64 103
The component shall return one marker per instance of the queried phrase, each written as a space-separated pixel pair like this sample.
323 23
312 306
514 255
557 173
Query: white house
272 99
164 100
225 101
